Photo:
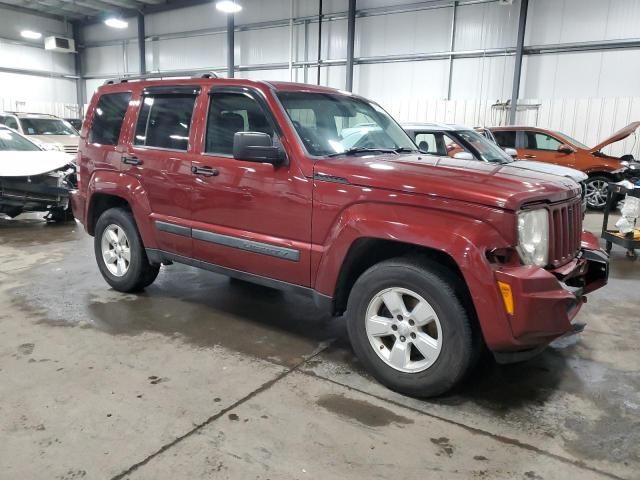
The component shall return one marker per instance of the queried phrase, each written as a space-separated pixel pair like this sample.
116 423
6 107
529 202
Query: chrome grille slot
565 231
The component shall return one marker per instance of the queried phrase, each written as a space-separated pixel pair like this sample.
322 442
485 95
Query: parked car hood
616 137
572 173
502 186
27 164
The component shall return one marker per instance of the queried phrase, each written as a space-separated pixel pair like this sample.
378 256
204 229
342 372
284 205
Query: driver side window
542 141
230 113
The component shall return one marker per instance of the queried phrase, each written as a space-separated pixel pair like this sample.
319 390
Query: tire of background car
428 290
61 215
600 200
137 273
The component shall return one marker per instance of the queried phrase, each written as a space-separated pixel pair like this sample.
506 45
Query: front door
160 155
542 147
248 216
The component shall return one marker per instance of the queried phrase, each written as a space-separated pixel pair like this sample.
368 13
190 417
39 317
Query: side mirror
256 147
463 156
512 152
566 149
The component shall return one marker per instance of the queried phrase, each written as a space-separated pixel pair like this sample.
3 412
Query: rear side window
10 122
505 138
108 118
165 120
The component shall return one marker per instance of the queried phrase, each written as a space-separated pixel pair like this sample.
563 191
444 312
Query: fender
603 168
463 238
129 188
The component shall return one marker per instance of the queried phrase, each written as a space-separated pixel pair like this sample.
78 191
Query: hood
572 173
501 186
616 137
71 140
28 164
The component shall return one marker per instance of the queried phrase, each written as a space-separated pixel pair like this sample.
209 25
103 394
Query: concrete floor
202 377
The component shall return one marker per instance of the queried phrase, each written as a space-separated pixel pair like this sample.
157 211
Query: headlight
533 237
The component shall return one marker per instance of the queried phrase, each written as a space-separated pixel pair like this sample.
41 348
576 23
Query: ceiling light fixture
228 6
115 22
31 35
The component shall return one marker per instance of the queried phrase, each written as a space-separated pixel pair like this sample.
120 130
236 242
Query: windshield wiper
405 150
354 151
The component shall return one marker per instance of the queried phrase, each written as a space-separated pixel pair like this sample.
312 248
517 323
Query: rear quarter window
108 118
505 138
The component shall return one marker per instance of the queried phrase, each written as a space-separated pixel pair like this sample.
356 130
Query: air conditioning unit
60 44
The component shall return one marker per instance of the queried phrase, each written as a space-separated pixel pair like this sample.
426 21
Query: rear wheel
596 189
408 326
120 253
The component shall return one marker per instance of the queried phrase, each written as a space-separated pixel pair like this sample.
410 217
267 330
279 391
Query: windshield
11 141
330 124
572 140
485 148
46 126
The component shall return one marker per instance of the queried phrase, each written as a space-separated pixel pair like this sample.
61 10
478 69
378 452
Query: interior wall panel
404 33
486 25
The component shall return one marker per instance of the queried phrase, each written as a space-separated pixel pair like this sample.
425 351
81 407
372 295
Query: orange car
544 145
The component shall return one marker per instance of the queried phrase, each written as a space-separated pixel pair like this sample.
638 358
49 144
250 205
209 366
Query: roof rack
161 76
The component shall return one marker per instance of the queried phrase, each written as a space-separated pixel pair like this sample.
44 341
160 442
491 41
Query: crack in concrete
474 430
262 388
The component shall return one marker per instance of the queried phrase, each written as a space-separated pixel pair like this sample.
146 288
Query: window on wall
230 113
164 121
108 118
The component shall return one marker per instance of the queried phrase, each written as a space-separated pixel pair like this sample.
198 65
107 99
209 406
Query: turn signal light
507 297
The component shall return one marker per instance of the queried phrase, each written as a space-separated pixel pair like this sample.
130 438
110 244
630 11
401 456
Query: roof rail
160 76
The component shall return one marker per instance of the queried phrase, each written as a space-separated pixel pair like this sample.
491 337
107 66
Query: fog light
507 297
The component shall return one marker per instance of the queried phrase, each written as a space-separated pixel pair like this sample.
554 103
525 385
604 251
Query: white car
33 179
465 143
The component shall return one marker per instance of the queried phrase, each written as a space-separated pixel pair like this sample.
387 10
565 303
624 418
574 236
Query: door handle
205 171
131 160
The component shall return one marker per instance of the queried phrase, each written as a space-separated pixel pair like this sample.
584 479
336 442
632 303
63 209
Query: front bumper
546 302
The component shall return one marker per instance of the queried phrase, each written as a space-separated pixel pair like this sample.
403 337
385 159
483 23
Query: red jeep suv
319 191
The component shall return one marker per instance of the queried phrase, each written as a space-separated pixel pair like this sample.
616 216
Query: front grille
72 149
565 231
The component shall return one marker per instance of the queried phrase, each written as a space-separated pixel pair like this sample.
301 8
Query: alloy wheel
404 330
116 251
596 193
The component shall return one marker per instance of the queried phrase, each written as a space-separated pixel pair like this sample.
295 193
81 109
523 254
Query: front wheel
409 327
120 253
596 189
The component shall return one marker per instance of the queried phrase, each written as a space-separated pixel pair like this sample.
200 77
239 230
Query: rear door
160 155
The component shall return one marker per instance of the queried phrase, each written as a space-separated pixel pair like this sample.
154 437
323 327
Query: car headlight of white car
533 237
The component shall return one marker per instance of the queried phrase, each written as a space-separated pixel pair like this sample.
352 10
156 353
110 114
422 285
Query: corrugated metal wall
34 92
586 94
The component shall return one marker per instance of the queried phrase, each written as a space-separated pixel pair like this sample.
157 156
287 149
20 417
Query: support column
319 39
351 39
142 51
517 69
231 26
77 61
452 46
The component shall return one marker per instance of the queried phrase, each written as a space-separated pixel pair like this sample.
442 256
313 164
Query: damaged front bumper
33 194
546 302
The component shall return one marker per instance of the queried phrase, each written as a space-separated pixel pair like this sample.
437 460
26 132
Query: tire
126 276
596 192
459 339
60 215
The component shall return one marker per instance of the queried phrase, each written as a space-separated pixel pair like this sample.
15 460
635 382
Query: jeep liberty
306 188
